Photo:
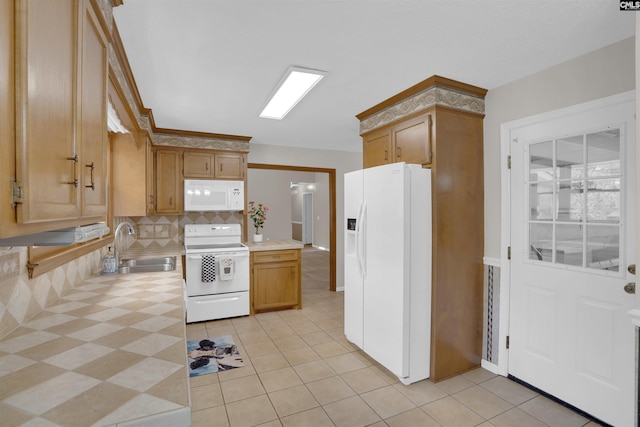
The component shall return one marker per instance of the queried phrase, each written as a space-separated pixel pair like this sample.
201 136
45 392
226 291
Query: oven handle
233 254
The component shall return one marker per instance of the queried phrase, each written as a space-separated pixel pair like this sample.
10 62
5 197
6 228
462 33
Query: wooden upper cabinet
198 165
92 129
377 148
150 176
169 182
412 140
128 158
61 112
46 164
213 165
230 166
409 141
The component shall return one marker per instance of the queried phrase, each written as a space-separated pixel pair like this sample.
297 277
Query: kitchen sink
147 265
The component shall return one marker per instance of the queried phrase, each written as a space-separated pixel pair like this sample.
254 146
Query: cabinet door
198 165
128 159
168 182
376 148
45 88
412 141
151 178
229 165
92 106
275 285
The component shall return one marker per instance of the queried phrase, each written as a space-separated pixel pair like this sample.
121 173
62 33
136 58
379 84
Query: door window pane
541 238
603 200
541 201
603 249
570 157
603 153
541 161
575 187
568 246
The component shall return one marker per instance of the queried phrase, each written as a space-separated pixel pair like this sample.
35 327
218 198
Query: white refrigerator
387 266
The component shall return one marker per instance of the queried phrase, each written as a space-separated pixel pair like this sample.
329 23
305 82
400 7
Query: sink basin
147 265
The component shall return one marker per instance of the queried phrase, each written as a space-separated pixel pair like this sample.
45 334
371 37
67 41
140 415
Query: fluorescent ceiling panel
295 84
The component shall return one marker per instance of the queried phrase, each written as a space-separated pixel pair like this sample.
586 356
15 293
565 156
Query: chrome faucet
130 231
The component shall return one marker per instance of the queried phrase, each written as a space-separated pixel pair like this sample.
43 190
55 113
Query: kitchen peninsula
276 275
109 353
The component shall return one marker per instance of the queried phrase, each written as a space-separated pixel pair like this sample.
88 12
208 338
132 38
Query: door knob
632 269
630 288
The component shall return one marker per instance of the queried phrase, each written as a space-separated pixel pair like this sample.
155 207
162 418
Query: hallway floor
301 371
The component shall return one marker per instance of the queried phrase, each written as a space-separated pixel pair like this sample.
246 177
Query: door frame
332 208
505 200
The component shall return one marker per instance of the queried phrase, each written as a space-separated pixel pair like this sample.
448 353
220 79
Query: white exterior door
572 219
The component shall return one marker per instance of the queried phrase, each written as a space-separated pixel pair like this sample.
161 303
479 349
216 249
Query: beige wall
604 72
341 161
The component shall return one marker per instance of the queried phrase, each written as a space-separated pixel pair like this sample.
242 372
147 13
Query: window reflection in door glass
570 157
541 238
575 187
603 200
603 250
541 161
541 201
569 249
603 153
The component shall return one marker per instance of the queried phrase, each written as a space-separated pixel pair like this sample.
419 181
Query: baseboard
489 366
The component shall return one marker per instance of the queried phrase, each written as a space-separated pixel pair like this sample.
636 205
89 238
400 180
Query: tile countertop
274 245
111 352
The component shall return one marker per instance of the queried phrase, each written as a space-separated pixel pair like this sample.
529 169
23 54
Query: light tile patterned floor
301 371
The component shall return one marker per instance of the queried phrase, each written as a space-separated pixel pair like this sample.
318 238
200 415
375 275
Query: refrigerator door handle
362 239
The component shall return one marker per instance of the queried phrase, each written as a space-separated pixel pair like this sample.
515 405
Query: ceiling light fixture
293 86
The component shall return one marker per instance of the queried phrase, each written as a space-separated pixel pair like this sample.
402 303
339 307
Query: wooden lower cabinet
275 280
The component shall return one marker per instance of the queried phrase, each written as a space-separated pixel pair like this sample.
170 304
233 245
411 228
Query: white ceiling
209 65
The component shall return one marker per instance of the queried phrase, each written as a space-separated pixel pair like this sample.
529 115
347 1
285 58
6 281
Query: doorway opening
331 190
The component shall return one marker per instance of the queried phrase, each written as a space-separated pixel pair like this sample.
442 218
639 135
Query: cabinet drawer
275 256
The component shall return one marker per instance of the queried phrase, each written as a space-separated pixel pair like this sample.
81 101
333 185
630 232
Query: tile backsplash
167 231
22 298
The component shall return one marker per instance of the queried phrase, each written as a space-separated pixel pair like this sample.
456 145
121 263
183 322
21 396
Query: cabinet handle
206 166
91 167
386 155
398 152
170 201
75 160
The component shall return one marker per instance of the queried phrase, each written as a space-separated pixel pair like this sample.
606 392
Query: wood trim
37 266
101 18
332 208
419 87
201 134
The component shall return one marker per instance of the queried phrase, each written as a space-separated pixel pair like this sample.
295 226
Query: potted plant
258 213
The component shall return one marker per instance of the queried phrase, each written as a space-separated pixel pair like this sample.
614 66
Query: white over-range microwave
203 195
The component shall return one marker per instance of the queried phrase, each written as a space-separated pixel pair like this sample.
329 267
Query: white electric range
217 272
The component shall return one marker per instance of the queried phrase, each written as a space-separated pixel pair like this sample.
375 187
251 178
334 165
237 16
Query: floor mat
210 355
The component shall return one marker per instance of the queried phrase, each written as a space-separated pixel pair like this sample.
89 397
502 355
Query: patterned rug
210 355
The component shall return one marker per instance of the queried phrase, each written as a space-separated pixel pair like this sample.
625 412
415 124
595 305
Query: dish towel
226 268
208 268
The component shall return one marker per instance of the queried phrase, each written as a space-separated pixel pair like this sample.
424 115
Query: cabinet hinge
509 162
507 341
17 192
508 252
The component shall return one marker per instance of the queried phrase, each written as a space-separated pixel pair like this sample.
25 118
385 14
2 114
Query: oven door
217 272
